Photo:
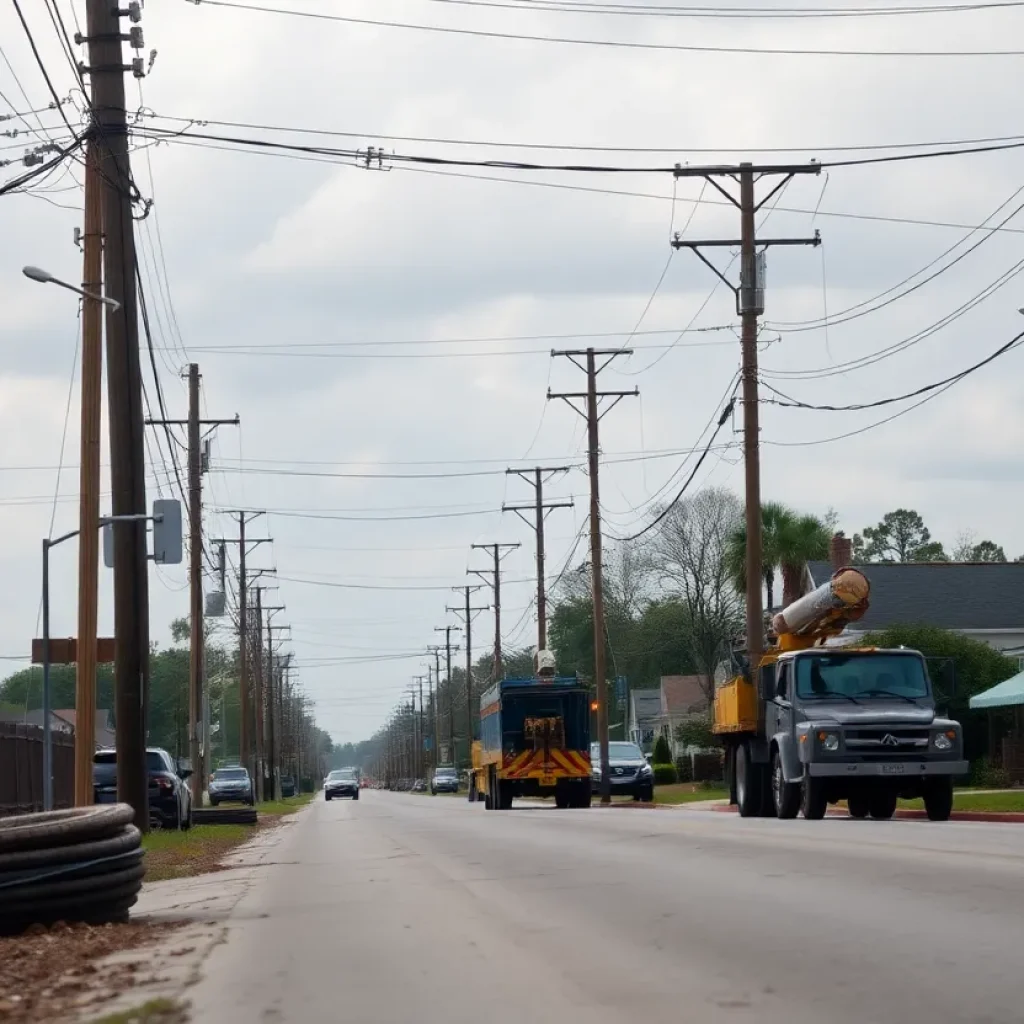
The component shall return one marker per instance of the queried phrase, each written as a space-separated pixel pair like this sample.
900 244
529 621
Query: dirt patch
52 974
156 1011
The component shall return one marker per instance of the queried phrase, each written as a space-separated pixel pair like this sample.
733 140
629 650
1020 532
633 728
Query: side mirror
184 774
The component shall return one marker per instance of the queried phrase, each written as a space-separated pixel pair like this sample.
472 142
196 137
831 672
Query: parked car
231 784
287 786
445 780
342 782
170 801
631 775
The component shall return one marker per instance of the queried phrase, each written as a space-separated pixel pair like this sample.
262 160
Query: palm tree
788 542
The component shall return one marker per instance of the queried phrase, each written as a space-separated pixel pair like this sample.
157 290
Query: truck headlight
646 770
829 741
944 740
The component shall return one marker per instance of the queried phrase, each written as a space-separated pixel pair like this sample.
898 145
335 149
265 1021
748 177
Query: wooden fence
21 769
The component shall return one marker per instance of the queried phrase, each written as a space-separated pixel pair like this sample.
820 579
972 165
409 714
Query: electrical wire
793 403
605 43
722 419
577 147
360 157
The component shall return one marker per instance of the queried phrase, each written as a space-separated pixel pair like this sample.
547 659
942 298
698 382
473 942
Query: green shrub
986 775
662 751
665 774
684 769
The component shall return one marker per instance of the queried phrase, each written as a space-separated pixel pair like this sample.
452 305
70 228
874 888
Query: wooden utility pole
592 414
749 305
245 726
495 584
435 650
447 630
538 477
124 389
197 626
89 481
467 614
273 703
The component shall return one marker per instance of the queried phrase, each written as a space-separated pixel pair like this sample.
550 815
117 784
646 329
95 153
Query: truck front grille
887 744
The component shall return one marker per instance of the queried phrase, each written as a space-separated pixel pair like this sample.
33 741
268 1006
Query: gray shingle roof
951 595
647 704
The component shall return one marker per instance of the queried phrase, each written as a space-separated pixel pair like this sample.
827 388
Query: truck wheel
749 786
858 805
562 799
785 795
730 773
814 800
938 799
883 805
471 794
504 795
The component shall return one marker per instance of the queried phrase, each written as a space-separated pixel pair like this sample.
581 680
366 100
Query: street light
45 277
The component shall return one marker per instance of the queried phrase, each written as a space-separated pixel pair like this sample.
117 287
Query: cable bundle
83 864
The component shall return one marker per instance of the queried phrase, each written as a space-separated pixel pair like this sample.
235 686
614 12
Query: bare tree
687 557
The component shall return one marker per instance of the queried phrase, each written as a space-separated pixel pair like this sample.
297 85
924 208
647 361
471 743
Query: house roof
104 734
682 695
950 595
646 704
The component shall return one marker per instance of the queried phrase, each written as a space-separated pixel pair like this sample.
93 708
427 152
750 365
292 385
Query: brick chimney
840 551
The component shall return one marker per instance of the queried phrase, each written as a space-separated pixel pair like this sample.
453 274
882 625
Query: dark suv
342 782
631 775
170 801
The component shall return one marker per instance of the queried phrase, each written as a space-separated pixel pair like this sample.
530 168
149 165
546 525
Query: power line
370 158
578 147
755 13
608 43
793 403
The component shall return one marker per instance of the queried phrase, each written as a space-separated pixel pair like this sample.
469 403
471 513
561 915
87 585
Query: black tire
213 802
883 804
858 805
489 803
813 798
785 795
327 797
730 773
749 785
504 795
355 795
563 799
938 799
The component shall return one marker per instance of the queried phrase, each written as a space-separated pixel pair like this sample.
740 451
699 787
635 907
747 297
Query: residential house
983 600
682 698
659 712
63 720
644 710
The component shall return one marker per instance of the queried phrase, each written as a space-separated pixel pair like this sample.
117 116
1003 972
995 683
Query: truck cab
857 724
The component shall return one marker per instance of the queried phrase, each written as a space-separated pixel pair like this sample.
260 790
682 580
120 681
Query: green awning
1005 695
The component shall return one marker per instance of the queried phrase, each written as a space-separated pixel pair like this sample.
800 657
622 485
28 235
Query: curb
1004 817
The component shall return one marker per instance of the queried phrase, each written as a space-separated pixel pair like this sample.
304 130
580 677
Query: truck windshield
860 675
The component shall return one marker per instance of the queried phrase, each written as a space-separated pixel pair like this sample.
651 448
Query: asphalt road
402 909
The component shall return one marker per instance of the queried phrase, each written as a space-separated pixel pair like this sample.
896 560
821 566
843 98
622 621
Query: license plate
892 769
106 798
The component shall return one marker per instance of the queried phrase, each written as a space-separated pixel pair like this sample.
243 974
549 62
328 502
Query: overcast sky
267 270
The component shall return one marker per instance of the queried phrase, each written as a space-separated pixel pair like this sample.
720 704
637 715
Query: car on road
231 783
342 782
170 801
630 773
445 780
